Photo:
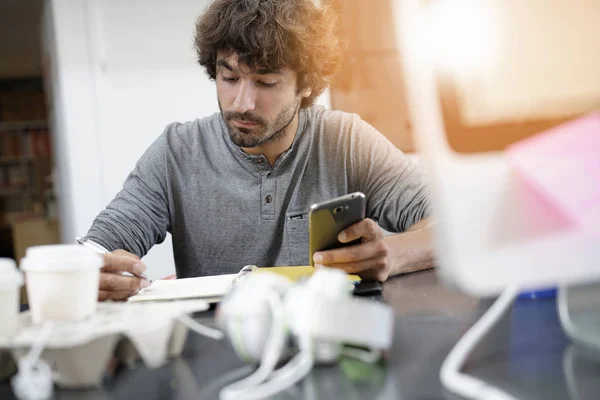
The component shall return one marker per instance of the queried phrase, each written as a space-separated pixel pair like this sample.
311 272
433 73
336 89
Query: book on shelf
28 142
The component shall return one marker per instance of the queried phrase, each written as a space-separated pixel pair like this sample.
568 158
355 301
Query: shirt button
269 175
260 161
268 199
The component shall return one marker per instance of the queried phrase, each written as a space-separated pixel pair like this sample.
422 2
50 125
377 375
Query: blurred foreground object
492 225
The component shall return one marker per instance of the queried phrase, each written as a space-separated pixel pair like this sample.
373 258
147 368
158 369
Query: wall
370 81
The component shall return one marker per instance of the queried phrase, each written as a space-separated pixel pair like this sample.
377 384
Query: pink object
562 164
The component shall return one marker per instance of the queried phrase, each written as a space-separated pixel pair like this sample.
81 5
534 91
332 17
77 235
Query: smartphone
327 219
367 288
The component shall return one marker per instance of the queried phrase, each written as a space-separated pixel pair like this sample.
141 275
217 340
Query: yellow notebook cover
296 273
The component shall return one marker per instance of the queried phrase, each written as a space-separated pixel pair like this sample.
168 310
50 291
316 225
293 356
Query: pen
101 250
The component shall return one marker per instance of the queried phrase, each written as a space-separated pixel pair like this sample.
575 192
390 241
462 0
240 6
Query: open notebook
211 288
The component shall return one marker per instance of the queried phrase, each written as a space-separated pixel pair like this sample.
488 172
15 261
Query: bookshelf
24 152
27 202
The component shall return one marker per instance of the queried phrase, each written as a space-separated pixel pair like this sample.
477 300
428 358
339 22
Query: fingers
104 295
119 283
367 230
360 253
113 284
372 269
122 252
369 259
356 267
119 262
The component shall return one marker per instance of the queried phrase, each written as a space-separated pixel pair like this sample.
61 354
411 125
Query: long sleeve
138 217
397 196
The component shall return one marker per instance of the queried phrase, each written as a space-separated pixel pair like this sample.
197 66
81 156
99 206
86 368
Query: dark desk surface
527 354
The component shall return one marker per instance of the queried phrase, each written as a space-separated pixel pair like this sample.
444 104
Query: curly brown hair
273 34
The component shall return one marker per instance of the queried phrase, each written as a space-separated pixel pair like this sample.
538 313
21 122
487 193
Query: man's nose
245 98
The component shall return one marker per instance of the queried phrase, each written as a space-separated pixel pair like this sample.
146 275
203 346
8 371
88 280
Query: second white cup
10 282
62 281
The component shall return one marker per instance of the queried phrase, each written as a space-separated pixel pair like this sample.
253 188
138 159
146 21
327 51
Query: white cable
199 328
293 363
207 391
271 353
291 373
574 331
296 369
466 385
34 378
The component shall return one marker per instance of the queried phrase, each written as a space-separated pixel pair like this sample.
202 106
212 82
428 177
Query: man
234 188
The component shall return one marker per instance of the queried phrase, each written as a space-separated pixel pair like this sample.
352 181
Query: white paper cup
62 281
10 282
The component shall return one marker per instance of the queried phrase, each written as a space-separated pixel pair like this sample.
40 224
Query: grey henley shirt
226 208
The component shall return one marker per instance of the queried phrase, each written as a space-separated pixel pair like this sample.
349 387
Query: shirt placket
268 189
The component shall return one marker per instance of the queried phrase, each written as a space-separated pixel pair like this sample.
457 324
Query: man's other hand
113 284
368 259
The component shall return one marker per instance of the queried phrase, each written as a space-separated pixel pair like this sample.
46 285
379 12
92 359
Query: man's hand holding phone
341 237
368 259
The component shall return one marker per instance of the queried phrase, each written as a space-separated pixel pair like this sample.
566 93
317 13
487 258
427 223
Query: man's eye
266 84
229 79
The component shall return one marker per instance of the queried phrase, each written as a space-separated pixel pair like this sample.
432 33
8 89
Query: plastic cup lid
60 257
10 276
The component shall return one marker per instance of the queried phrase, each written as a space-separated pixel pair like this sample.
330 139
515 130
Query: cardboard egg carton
79 352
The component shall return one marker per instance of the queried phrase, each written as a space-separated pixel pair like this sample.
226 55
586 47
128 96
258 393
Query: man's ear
306 92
